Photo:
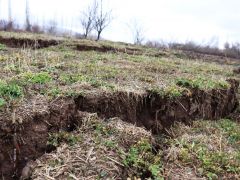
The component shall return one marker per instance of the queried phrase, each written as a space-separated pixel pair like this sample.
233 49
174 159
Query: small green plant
54 92
142 158
101 129
56 139
110 144
10 90
2 102
12 68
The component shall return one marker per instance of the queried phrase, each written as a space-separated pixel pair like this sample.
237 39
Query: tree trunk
98 36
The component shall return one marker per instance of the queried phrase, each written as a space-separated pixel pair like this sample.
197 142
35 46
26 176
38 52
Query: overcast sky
170 20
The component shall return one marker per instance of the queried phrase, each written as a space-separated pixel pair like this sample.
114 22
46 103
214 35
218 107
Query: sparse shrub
6 25
36 29
3 25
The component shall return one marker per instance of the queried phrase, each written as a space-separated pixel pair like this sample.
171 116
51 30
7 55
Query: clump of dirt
27 43
24 132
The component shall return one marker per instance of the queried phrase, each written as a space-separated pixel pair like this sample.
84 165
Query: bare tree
137 32
9 10
102 19
52 28
27 14
87 19
9 25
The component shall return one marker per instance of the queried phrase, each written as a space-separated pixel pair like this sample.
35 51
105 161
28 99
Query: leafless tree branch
87 19
102 20
137 32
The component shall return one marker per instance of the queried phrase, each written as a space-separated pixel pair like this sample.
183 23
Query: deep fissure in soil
27 141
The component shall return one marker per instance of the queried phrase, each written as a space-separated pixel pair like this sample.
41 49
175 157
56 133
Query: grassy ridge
61 67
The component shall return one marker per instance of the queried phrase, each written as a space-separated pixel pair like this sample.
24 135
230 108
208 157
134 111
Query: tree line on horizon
96 19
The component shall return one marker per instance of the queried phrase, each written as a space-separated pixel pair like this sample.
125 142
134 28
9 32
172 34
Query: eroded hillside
49 83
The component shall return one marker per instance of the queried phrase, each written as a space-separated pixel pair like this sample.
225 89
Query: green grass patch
36 78
201 83
80 78
213 148
169 91
9 92
231 130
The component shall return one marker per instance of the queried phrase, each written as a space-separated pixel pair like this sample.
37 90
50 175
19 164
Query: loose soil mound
27 43
119 150
96 155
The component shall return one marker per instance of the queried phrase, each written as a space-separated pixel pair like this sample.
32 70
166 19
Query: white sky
172 20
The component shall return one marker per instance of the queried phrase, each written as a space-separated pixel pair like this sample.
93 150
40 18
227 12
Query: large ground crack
27 141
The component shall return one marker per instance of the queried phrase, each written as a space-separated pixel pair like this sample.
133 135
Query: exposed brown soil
103 48
27 140
156 113
127 50
27 43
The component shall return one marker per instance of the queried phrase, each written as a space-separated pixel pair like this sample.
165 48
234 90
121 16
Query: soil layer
27 43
